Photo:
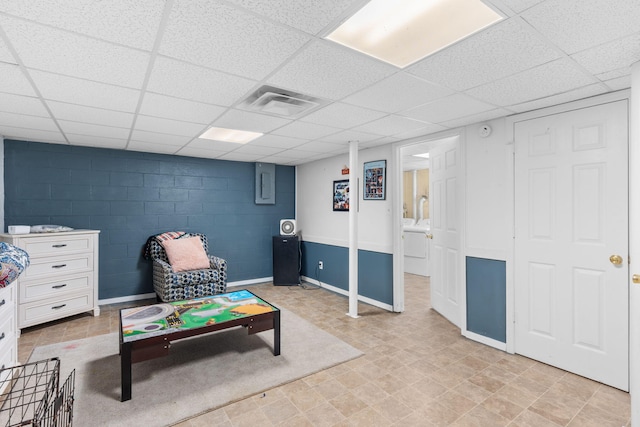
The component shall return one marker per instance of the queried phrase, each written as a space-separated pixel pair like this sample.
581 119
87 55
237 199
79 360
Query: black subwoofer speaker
286 261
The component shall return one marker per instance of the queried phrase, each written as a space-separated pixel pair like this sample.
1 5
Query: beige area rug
200 373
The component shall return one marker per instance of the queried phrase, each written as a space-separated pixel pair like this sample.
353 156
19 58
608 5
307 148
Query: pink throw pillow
186 254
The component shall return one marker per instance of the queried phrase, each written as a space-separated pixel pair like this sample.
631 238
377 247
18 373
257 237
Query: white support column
634 244
353 229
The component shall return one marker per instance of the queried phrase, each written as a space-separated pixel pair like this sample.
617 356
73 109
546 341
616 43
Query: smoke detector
280 102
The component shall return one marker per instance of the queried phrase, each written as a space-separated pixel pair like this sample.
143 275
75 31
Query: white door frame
511 120
396 216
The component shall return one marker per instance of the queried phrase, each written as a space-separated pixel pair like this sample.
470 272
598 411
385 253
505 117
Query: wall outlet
320 265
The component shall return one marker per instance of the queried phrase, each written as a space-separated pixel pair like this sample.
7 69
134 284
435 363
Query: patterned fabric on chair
174 286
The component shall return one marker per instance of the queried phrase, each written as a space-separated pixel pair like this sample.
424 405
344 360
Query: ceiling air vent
280 102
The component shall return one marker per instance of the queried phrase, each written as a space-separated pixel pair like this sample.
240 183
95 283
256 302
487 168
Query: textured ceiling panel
390 125
14 81
172 127
243 120
97 141
5 54
501 50
350 135
84 92
277 141
73 55
618 54
98 116
546 80
194 83
26 134
179 109
520 5
212 34
28 122
309 16
305 130
100 19
152 147
342 115
449 108
22 105
328 71
160 138
580 93
77 128
579 25
398 92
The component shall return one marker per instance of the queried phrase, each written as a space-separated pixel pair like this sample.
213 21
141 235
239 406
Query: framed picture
375 180
341 195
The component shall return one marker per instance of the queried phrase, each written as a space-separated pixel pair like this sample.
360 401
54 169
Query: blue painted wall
486 298
129 196
375 269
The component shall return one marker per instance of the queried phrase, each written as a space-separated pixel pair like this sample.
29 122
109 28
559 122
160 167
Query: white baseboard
331 288
485 340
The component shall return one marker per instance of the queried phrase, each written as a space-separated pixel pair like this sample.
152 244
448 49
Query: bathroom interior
415 209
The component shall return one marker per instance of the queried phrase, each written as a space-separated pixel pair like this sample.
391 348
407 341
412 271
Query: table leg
125 371
276 333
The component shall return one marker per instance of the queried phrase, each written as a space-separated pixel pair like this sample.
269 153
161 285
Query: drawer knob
2 336
56 307
59 266
59 245
3 302
59 286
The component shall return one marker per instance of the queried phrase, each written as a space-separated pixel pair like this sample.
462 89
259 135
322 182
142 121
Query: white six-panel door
571 241
445 228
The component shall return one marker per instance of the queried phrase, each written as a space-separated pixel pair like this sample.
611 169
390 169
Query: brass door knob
429 236
635 278
615 259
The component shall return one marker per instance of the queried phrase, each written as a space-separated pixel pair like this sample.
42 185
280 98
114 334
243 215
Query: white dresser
8 334
62 278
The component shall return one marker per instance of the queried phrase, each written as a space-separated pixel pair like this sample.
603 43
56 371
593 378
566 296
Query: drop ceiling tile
160 138
200 152
578 25
398 92
22 105
502 50
152 147
240 157
350 135
10 132
520 5
97 141
610 56
66 53
580 93
229 39
5 54
477 118
244 120
390 125
621 72
342 115
83 92
305 130
195 83
549 79
278 141
330 71
78 128
322 147
257 151
429 129
296 154
13 81
619 83
168 126
207 144
309 16
100 19
448 108
97 116
29 122
179 109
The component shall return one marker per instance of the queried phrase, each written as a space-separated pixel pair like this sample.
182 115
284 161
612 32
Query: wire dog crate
31 396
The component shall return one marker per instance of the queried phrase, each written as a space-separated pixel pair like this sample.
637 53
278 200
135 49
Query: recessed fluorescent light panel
230 135
402 32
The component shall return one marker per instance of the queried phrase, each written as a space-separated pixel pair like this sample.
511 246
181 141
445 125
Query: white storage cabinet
62 278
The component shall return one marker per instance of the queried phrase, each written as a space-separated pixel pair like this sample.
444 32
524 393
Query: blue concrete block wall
129 196
487 298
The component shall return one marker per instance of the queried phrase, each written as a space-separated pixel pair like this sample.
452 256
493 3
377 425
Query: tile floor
417 371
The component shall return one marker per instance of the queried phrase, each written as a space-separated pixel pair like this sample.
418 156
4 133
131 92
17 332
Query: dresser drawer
7 332
7 299
57 245
37 312
58 266
34 290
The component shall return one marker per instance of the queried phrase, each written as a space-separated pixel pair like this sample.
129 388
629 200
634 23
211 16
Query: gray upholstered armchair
173 285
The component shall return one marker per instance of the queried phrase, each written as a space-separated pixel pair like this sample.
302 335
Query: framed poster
341 195
375 180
